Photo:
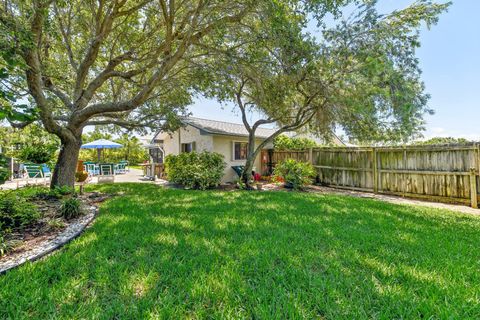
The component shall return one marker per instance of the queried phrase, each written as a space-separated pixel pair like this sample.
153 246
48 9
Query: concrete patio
133 175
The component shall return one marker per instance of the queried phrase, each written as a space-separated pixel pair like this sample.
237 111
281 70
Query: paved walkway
134 175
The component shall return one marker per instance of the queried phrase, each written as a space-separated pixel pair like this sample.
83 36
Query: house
228 139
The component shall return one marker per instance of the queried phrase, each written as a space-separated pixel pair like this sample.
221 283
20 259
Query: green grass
155 253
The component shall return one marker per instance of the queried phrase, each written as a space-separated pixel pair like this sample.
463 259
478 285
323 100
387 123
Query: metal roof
236 129
226 128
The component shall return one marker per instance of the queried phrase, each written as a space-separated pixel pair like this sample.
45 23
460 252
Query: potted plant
80 166
295 174
256 179
81 176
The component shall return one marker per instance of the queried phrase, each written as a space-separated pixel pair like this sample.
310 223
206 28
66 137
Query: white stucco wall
171 143
204 142
224 145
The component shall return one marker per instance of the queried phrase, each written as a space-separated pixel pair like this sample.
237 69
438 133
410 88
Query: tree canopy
361 75
137 64
120 62
284 142
443 140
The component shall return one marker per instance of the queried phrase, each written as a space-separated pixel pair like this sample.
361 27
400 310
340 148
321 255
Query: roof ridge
220 121
226 122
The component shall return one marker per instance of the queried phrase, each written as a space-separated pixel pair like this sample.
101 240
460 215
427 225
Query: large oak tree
134 63
122 62
361 75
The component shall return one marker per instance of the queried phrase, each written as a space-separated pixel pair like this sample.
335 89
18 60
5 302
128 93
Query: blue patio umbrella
101 144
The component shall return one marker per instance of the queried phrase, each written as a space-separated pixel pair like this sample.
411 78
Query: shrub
283 142
16 211
71 208
4 169
55 193
195 170
37 154
295 173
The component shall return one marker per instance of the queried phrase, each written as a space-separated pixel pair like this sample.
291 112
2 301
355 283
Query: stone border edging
46 247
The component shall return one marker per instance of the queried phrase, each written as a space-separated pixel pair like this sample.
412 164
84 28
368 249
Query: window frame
233 150
192 147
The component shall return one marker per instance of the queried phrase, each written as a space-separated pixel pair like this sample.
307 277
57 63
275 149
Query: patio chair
107 169
125 163
33 171
92 169
238 170
46 171
120 168
107 173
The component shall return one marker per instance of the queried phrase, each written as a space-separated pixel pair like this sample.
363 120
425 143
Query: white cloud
442 132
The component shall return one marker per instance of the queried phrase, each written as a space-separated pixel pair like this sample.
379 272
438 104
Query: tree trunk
64 173
251 155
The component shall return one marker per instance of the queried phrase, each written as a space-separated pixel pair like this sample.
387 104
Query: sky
450 60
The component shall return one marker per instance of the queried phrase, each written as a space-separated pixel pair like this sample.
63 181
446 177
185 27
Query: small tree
362 76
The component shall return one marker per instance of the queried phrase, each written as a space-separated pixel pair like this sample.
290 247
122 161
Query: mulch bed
49 230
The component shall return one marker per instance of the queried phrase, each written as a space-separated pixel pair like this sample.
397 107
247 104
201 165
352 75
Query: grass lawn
155 253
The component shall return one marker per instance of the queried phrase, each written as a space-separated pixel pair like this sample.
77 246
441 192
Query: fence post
375 170
310 155
473 187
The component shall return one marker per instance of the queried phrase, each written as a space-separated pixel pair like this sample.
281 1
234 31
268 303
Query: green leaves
11 108
295 174
4 169
197 170
379 94
283 142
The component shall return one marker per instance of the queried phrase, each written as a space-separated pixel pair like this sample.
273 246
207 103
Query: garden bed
39 223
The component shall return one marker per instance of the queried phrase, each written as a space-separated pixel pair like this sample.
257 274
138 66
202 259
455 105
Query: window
156 154
188 147
240 150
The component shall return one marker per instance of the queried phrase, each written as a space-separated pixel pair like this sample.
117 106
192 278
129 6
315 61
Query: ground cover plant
163 253
34 212
71 208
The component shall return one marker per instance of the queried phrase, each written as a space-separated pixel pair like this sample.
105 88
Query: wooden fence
439 173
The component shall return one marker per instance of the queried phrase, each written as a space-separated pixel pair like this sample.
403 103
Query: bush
16 211
283 142
37 154
295 173
71 208
4 169
195 170
55 193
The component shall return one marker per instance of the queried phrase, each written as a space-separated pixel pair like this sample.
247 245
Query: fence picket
439 173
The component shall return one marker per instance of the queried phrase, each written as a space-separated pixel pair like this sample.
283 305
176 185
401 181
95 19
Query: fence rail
439 173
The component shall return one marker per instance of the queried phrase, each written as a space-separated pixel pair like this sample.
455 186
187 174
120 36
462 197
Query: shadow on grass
172 253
